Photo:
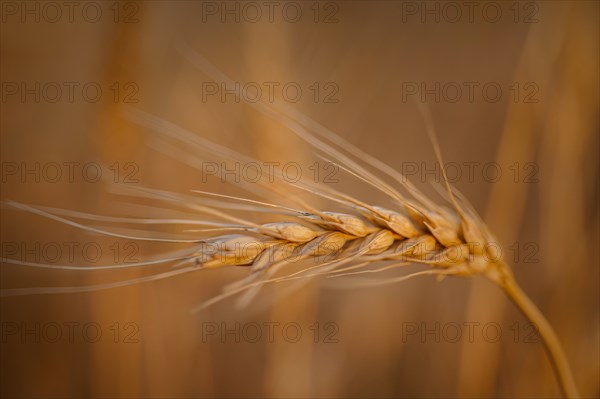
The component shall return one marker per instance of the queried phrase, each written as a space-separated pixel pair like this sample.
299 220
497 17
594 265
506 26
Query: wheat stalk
447 241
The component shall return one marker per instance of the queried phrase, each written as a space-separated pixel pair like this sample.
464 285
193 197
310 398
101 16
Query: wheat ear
451 243
415 230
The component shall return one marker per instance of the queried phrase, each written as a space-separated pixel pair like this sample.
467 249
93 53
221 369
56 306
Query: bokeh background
544 57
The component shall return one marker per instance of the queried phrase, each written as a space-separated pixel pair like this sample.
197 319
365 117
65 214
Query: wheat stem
552 344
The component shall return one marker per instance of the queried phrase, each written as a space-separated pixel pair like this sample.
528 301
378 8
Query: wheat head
446 240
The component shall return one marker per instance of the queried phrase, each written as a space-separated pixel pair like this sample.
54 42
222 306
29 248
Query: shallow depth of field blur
514 93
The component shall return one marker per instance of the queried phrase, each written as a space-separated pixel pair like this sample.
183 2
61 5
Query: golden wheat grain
446 241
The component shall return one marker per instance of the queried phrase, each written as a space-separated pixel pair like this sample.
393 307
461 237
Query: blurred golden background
361 66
